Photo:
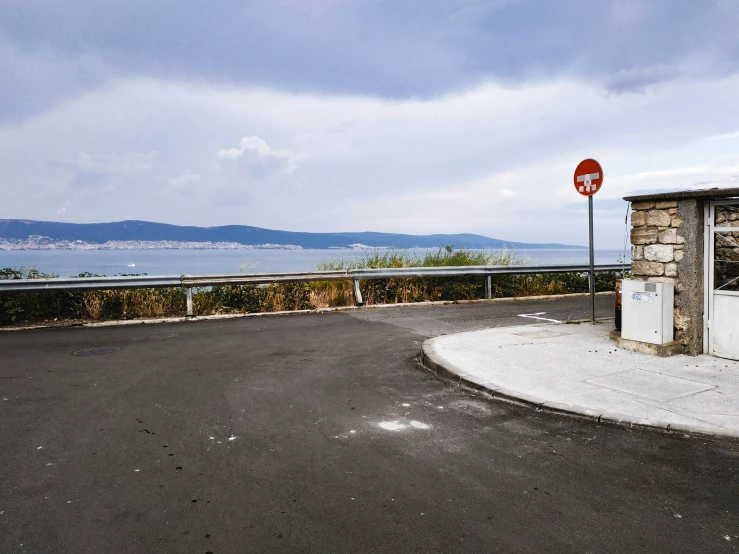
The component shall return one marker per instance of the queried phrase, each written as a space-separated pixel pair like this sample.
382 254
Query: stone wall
667 246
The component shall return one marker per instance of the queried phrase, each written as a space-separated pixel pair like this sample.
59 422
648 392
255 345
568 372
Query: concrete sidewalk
578 369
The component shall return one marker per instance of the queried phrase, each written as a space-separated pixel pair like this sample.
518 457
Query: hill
98 233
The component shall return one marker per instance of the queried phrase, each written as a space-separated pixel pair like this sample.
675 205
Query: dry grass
128 304
93 304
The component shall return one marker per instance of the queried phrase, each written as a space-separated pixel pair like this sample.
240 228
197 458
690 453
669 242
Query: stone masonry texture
667 245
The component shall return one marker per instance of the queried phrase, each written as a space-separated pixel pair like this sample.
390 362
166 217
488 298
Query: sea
65 263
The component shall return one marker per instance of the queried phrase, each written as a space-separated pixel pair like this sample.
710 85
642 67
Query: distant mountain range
97 233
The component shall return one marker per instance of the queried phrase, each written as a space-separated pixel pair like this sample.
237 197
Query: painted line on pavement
536 316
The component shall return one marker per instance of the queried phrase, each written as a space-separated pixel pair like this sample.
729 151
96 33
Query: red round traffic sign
588 177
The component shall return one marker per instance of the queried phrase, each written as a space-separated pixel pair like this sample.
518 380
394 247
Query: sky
409 116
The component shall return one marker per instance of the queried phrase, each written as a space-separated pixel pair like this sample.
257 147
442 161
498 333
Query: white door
723 279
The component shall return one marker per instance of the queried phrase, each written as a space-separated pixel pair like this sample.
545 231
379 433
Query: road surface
321 433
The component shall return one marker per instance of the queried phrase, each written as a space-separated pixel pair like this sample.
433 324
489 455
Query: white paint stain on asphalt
538 315
420 425
398 426
392 425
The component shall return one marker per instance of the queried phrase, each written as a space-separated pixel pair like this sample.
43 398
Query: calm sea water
203 262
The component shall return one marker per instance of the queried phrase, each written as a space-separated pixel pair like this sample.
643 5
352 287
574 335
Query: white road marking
420 425
392 425
536 316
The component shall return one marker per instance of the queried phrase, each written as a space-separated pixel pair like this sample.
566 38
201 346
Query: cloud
63 209
127 164
731 181
34 78
258 157
103 170
250 146
388 49
416 165
639 79
185 179
434 116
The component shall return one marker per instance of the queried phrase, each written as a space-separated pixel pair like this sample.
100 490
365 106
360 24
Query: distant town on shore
19 234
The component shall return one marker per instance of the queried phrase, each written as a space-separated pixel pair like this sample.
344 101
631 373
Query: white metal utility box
647 311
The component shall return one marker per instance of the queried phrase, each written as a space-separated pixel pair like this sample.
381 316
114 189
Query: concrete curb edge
437 365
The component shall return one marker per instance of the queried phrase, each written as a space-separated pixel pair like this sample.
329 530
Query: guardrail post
358 293
189 301
488 286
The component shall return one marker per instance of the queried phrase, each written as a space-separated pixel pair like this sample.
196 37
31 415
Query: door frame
709 243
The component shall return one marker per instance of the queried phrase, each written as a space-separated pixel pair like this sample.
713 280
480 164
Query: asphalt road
321 433
442 319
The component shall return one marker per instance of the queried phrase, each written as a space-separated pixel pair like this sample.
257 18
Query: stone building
686 238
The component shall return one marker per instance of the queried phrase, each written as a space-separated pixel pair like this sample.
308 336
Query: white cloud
254 145
258 157
126 164
185 179
63 209
230 154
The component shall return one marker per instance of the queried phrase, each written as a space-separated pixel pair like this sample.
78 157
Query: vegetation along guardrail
189 282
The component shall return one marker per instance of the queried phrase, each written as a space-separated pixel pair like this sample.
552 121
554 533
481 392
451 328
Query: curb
180 319
432 362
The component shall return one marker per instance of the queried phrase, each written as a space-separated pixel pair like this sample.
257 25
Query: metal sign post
588 180
592 260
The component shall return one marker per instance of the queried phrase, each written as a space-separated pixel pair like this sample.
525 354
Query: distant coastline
46 243
21 234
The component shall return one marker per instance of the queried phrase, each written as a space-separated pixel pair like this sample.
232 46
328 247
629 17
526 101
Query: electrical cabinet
647 311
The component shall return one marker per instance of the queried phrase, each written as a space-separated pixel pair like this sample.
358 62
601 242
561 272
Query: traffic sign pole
588 180
592 261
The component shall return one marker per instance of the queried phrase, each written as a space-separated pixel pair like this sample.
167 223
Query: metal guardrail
384 273
197 281
264 278
90 283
